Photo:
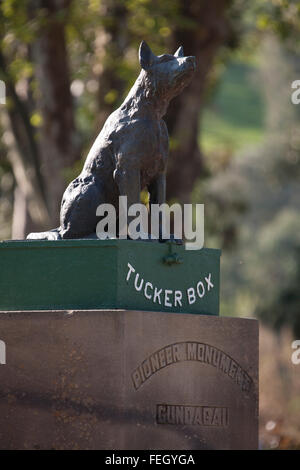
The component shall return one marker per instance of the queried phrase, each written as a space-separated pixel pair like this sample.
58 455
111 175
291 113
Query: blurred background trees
69 64
234 133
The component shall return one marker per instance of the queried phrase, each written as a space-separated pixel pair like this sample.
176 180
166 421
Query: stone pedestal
117 379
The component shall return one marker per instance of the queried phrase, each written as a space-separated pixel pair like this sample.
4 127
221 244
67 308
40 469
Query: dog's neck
144 101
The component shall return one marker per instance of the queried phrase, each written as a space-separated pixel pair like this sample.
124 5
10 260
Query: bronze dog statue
131 151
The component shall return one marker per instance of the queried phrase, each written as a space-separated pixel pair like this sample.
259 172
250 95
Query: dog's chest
155 156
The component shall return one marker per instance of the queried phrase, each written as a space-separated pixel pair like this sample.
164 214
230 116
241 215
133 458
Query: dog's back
132 148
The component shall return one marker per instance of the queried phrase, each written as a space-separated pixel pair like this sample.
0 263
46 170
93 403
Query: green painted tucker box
118 274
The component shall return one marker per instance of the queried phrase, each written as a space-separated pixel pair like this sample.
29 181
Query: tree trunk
203 40
39 156
24 159
57 142
111 43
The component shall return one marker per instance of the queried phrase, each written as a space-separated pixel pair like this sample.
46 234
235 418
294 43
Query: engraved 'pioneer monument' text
191 351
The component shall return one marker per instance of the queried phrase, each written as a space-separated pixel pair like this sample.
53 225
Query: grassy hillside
234 117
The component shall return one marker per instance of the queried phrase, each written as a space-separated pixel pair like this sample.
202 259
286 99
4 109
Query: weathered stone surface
128 380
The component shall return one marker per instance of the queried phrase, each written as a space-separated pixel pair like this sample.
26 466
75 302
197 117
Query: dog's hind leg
78 217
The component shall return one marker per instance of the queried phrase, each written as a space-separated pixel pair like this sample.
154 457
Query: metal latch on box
172 257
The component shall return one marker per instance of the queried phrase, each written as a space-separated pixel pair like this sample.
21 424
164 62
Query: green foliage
253 207
251 196
279 16
235 115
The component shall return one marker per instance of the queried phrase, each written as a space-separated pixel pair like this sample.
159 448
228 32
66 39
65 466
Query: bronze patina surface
131 151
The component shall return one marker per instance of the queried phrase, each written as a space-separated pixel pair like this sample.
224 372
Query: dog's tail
53 234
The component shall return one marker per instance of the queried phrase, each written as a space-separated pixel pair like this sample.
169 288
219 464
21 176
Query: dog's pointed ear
179 52
146 56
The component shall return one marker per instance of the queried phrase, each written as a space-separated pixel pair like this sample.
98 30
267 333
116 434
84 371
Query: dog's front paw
142 236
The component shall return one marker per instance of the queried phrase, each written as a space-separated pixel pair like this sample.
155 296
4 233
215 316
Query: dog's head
167 74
